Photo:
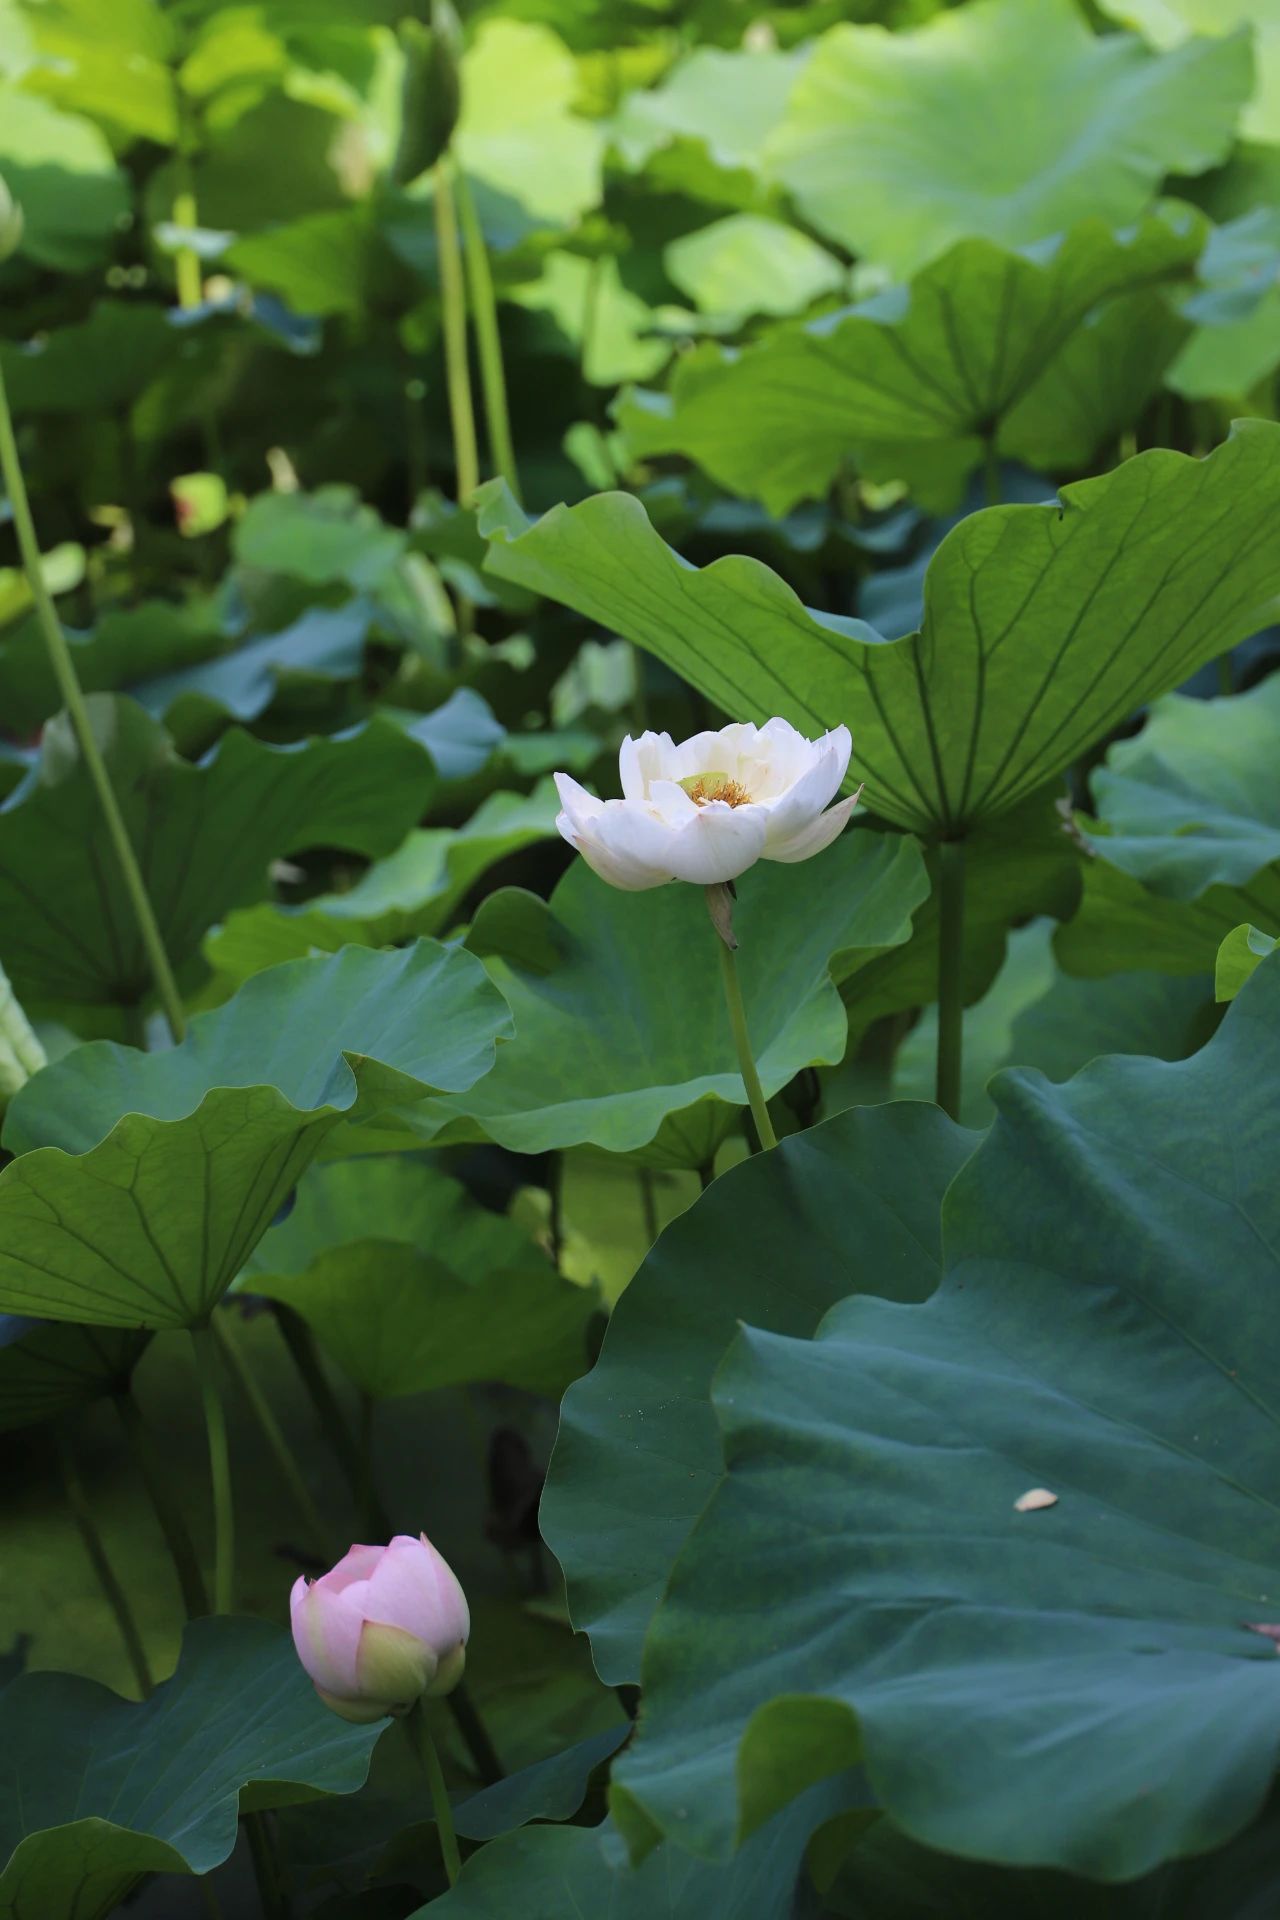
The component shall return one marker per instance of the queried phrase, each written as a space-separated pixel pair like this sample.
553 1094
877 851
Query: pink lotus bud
382 1628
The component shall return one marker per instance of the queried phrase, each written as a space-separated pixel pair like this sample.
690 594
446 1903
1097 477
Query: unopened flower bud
10 223
382 1628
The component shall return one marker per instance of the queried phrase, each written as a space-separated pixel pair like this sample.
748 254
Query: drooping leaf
103 1790
852 1205
935 127
410 1285
416 890
205 834
551 1789
618 1001
144 1181
60 169
1076 1686
47 1368
910 382
1044 626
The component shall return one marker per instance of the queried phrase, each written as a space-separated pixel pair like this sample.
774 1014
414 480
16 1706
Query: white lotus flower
706 809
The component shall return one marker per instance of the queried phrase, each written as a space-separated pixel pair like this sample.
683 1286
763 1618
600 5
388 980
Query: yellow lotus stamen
702 787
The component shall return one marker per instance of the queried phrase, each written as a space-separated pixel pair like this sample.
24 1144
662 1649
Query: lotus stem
453 298
113 1592
950 974
215 1420
168 1512
425 1747
73 698
484 312
720 907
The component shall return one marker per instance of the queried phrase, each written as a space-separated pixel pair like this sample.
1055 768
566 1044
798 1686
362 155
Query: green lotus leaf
144 1181
911 382
98 365
848 1206
48 1367
1168 23
702 131
1186 845
1044 626
105 1790
547 1873
935 127
619 1006
410 1285
746 264
1035 1015
206 835
1074 1681
1238 958
551 1789
60 169
517 137
319 537
416 890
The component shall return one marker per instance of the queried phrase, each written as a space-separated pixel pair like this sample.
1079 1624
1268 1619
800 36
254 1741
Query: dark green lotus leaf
550 1873
410 1285
935 127
322 538
99 365
889 1877
1193 801
1186 845
100 1790
49 1367
127 645
849 1206
911 382
416 890
1036 1015
205 834
1078 1684
1044 626
551 1789
619 1006
144 1181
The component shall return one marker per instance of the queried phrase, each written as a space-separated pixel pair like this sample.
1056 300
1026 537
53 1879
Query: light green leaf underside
143 1181
101 1790
908 383
852 1205
619 1007
1239 957
1044 626
1073 1687
1008 119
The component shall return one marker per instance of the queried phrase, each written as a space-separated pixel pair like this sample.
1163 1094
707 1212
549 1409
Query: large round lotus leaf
852 1205
1008 119
102 1790
144 1180
619 1006
910 381
1044 626
61 171
1079 1682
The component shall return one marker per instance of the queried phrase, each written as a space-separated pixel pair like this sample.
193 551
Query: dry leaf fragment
1033 1501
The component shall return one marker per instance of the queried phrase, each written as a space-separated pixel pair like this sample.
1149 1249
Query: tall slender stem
298 1338
425 1747
950 974
273 1434
114 1594
991 470
453 300
1226 673
266 1871
484 313
69 686
720 907
168 1512
215 1420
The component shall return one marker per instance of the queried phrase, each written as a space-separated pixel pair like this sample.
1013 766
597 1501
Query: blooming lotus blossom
706 809
382 1628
